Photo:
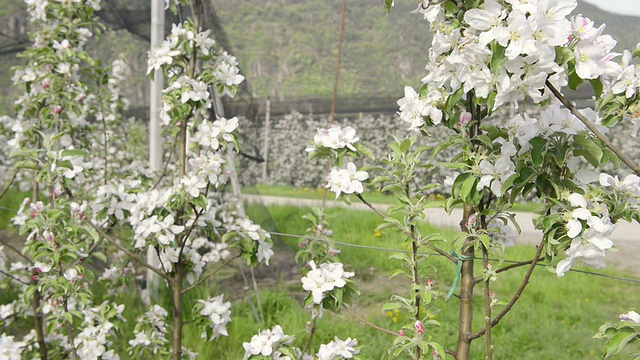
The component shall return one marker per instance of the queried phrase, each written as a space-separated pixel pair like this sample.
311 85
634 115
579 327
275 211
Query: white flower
193 185
631 316
348 181
324 279
9 349
266 342
487 18
219 312
494 175
338 349
336 137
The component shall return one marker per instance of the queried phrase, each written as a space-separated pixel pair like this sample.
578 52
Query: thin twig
370 323
132 255
519 264
625 159
313 331
515 298
16 251
487 305
206 277
13 178
14 278
428 244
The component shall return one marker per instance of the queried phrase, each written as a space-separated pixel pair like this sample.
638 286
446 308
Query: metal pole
155 140
265 143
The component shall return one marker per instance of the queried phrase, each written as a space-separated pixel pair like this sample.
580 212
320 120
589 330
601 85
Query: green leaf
450 7
468 186
364 151
618 341
387 6
497 58
597 86
26 164
593 152
391 306
100 256
539 146
75 152
574 80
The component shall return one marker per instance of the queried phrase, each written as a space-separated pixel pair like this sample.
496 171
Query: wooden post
265 141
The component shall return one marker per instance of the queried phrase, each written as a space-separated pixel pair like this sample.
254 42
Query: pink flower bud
35 277
400 332
57 109
465 118
419 327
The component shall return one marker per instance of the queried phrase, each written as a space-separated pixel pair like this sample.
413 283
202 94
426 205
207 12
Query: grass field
555 318
318 193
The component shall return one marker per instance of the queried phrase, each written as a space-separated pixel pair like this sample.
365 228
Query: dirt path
626 236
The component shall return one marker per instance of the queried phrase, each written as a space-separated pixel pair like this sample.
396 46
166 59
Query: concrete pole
155 140
265 143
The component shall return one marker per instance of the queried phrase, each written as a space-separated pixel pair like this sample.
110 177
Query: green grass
371 196
311 193
554 319
9 204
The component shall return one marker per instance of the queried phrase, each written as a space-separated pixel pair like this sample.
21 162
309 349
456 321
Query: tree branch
14 278
206 277
16 251
428 244
625 159
13 177
132 255
515 298
369 323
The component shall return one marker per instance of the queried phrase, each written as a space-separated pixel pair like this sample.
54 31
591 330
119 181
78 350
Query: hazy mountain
288 48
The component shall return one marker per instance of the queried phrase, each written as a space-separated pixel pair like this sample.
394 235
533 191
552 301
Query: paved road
626 236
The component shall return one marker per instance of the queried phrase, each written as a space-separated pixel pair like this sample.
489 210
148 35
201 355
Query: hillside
287 48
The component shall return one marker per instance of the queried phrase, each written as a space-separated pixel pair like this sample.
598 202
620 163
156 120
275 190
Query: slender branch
94 246
9 184
407 232
9 246
515 298
370 206
369 323
206 277
132 255
313 331
487 306
14 278
523 263
625 159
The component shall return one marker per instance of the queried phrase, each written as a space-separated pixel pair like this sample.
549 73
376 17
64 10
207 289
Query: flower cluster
335 138
93 341
322 280
347 181
220 70
266 343
10 349
588 225
150 332
338 349
218 313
